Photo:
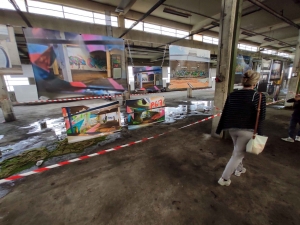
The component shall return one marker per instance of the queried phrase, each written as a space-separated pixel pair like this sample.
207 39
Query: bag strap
257 115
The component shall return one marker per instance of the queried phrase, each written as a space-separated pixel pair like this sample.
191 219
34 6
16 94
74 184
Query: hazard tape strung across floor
75 99
102 152
83 98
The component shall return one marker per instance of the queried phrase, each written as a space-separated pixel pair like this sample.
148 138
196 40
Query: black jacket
296 107
240 111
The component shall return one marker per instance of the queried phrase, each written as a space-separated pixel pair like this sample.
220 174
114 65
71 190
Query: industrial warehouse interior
137 112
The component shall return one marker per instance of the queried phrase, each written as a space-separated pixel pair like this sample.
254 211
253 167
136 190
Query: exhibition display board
87 122
188 66
72 65
145 111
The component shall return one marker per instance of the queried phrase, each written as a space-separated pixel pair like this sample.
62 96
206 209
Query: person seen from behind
239 118
294 121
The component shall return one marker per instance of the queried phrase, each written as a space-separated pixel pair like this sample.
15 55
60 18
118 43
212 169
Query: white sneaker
289 139
238 173
223 182
297 138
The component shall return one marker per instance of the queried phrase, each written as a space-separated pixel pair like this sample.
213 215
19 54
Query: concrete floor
168 180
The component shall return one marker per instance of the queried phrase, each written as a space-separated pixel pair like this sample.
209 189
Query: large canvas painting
87 122
276 70
10 63
147 76
72 65
142 112
188 66
243 64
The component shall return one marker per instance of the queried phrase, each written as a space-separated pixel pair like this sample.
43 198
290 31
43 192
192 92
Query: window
61 11
210 40
283 54
197 37
5 4
270 52
181 34
247 47
11 81
151 28
139 26
168 31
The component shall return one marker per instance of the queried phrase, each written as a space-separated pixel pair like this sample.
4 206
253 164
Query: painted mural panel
71 65
147 76
146 111
243 64
276 70
87 122
188 66
143 104
10 62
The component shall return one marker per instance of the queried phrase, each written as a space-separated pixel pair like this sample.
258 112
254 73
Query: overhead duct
176 13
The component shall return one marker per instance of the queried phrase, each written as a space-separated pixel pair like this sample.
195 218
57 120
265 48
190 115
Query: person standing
239 118
294 121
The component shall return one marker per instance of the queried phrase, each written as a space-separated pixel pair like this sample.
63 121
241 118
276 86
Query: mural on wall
147 76
243 64
143 112
188 66
276 70
72 65
10 62
87 122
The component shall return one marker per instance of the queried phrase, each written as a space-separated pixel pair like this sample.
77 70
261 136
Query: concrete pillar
121 21
189 92
228 39
294 81
5 103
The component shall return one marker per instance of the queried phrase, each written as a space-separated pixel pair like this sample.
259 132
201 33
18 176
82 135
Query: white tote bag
257 143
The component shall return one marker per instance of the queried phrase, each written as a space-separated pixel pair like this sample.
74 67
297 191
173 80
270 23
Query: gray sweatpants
240 139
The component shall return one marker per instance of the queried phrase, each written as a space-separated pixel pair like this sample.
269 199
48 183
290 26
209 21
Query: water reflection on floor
182 111
55 128
187 108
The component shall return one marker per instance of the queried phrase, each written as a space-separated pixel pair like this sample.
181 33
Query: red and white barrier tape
40 170
75 99
270 103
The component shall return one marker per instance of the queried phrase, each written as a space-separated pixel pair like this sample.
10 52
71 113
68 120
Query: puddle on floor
190 108
1 136
57 125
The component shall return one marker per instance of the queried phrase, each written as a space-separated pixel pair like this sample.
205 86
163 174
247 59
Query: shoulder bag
257 143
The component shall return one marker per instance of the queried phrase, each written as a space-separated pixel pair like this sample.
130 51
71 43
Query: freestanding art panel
145 111
188 66
70 65
87 122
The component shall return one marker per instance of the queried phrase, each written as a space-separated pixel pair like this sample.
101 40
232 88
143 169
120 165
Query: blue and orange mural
60 73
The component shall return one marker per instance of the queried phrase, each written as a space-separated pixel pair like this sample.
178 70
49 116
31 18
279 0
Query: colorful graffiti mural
84 122
188 66
86 54
142 112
